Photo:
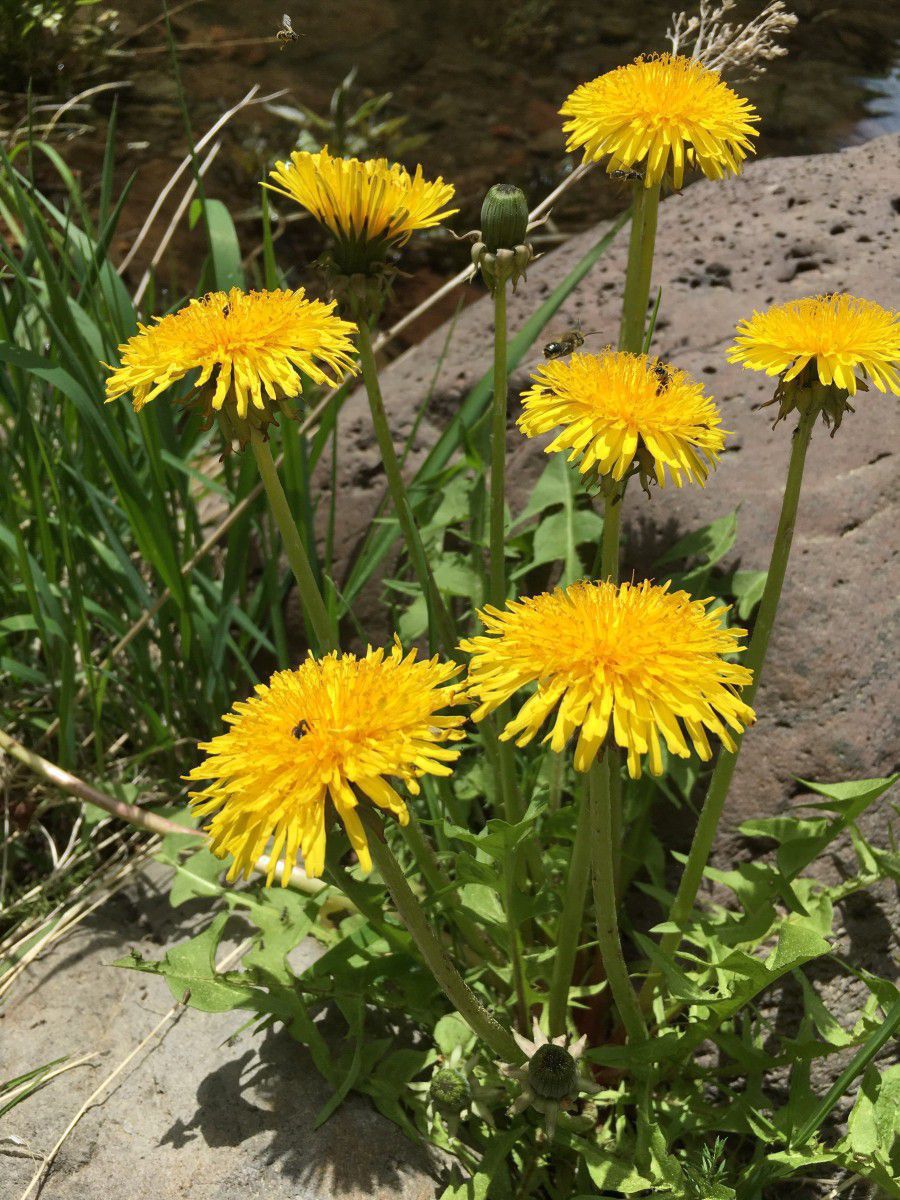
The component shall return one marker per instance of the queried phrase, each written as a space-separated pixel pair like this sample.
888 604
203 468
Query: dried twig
737 50
245 102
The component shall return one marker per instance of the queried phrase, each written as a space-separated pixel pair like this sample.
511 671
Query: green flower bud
504 217
552 1072
449 1090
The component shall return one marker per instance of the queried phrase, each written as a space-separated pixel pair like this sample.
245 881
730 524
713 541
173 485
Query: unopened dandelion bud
550 1077
500 251
552 1072
504 217
449 1090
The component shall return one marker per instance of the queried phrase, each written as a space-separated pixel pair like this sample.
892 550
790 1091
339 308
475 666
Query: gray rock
191 1115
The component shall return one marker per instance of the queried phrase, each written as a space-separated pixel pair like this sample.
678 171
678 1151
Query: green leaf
499 838
747 588
483 902
479 1186
190 968
452 1031
709 545
799 941
223 244
199 877
850 798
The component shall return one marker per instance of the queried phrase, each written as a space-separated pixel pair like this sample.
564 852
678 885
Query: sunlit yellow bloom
616 408
336 728
367 205
249 349
658 109
844 337
646 662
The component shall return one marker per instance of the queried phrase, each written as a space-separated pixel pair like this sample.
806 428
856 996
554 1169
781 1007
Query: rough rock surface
183 1119
191 1115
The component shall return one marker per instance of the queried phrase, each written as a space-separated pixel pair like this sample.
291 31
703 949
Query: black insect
300 729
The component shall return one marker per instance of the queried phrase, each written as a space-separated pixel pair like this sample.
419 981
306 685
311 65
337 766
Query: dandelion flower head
841 337
249 350
615 410
658 114
368 205
337 729
635 660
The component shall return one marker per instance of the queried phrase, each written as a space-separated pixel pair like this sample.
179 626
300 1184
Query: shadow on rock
272 1096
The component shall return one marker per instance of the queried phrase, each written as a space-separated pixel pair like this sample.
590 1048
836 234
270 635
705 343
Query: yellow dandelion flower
843 336
637 658
250 350
657 109
335 728
616 409
369 206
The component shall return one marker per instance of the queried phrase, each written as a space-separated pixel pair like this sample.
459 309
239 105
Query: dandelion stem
440 883
498 453
603 876
645 210
497 570
414 917
310 596
612 524
613 495
514 941
440 623
571 918
711 813
640 267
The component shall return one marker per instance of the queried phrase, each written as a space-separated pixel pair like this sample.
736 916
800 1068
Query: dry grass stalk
737 50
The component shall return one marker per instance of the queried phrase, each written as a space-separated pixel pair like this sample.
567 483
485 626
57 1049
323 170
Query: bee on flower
621 414
333 732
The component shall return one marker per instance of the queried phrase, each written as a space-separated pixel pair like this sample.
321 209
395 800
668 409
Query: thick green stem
445 635
514 942
612 528
613 495
414 917
711 813
640 267
310 596
498 454
571 920
440 883
603 876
